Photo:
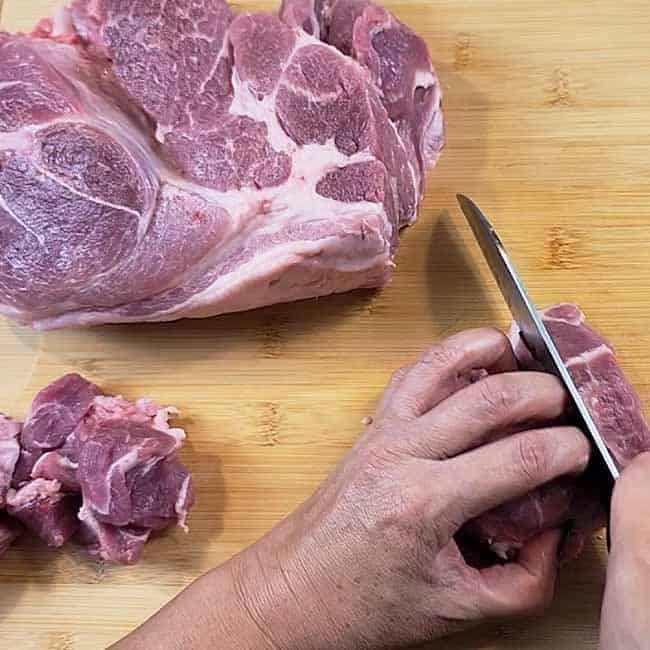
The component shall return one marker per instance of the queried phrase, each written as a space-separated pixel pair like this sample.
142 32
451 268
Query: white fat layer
150 464
62 461
122 465
4 206
62 22
424 78
180 508
20 140
85 514
245 103
589 355
558 319
310 163
87 197
218 298
276 259
9 84
415 176
9 454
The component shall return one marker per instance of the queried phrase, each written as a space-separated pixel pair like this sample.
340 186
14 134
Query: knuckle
552 384
400 517
541 383
495 334
399 374
416 515
446 522
497 395
447 510
577 439
534 458
415 404
442 355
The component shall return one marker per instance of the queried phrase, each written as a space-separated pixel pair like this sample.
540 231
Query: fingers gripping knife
539 342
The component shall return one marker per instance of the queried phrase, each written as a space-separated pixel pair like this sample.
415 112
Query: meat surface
98 468
164 159
616 409
9 454
46 510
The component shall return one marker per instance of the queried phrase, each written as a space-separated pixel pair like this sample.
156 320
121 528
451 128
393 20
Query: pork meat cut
616 410
94 467
162 159
9 454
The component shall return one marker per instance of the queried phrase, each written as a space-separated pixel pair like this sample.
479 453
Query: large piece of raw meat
162 159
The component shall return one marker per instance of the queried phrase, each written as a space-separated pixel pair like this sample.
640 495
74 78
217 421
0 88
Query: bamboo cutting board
547 116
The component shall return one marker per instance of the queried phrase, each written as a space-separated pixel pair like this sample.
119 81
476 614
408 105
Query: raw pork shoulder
165 159
98 467
615 408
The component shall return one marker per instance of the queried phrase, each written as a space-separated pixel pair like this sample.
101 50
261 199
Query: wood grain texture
546 107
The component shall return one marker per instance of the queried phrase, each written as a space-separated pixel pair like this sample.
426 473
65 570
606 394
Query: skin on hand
625 620
370 561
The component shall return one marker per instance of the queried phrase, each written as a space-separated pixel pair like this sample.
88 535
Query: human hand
625 624
370 560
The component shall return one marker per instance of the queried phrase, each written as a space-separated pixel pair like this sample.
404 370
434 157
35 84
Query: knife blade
533 330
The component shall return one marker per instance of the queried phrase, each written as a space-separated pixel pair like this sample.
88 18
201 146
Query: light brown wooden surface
547 117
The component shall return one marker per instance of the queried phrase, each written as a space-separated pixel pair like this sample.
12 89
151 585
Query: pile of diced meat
98 469
616 410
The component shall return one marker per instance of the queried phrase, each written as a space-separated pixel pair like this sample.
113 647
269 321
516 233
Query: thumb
623 623
630 518
525 586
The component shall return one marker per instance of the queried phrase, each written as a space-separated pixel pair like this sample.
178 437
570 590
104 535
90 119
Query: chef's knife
535 334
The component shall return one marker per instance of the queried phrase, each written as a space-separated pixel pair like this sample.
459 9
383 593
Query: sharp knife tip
465 202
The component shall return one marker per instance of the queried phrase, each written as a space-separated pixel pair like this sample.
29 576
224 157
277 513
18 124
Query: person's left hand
370 560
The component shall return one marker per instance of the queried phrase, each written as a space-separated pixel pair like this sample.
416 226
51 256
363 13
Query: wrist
280 598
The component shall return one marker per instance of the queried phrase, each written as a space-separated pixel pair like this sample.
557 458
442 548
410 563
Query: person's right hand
625 620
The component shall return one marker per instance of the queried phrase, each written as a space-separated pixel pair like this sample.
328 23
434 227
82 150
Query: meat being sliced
613 403
160 161
616 409
99 465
